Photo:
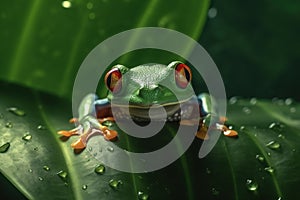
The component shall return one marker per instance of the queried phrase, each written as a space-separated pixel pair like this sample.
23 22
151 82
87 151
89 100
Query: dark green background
256 44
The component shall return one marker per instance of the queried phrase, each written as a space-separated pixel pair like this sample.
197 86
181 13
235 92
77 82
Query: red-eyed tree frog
141 88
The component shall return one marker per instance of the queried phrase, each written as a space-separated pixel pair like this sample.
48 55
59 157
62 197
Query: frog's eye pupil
183 75
113 80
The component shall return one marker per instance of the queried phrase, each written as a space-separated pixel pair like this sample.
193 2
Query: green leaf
31 163
43 43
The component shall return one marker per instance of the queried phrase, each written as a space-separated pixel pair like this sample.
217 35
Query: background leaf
44 43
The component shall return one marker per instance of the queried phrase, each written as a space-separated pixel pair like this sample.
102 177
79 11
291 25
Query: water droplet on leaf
292 109
246 110
92 16
66 4
40 178
63 175
46 168
253 101
288 101
281 136
4 148
115 184
99 169
215 192
269 169
212 13
27 137
260 158
142 195
273 145
251 185
89 5
16 111
275 126
30 170
232 100
8 125
84 187
41 127
208 171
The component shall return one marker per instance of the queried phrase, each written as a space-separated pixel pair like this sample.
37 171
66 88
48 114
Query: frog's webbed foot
86 128
226 131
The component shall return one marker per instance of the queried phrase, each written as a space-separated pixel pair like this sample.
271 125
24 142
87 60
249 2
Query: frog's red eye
183 75
113 80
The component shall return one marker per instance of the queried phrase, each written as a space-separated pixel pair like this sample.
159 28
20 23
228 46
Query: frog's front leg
207 112
90 110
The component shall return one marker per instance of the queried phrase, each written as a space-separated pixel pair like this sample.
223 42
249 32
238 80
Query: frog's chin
142 112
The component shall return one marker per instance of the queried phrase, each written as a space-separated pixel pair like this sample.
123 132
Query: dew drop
281 136
253 101
16 111
288 101
84 187
111 149
99 169
232 100
208 171
242 128
269 154
246 110
92 16
142 196
251 185
89 5
41 127
30 170
273 145
8 125
40 178
260 158
115 184
215 192
269 169
275 126
293 110
63 175
212 13
4 148
66 4
27 137
46 168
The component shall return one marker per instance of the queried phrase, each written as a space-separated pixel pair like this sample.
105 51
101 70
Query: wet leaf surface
45 167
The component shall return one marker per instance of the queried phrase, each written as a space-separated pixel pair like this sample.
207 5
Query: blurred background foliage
254 43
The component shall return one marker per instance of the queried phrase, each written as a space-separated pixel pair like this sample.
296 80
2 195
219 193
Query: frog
137 90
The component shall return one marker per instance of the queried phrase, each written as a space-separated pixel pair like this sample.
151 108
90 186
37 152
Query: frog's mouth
141 113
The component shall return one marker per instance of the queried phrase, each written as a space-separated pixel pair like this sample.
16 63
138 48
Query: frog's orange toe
230 133
202 133
79 144
110 135
65 133
73 120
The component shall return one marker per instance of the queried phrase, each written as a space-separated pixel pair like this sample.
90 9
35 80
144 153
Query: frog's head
149 84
